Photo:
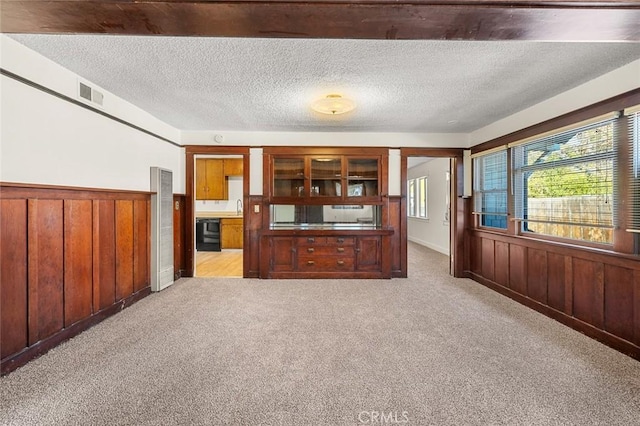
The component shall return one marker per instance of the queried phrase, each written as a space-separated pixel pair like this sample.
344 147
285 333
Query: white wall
46 140
606 86
434 231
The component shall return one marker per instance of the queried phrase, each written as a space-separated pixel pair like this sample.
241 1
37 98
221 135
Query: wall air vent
85 91
161 228
90 94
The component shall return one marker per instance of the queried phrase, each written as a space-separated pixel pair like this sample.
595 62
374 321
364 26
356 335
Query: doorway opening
218 215
428 188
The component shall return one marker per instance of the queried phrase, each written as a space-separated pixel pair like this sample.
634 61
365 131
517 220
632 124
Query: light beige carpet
427 350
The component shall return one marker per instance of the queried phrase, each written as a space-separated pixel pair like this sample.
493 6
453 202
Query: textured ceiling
249 84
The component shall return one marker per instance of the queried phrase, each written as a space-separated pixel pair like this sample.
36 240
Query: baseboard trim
589 330
429 245
19 359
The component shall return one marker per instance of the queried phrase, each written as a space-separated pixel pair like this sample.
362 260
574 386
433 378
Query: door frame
459 205
190 152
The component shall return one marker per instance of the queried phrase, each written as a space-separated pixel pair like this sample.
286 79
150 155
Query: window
564 183
633 115
490 189
417 191
411 190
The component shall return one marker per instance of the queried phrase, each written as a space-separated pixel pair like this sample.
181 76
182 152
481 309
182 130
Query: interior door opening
218 215
429 195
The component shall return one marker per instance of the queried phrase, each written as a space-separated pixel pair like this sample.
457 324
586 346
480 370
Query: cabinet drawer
333 241
311 241
325 264
327 250
345 241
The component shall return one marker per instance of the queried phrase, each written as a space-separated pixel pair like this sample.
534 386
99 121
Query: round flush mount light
333 104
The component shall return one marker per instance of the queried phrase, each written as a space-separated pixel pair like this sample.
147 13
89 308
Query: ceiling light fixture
333 104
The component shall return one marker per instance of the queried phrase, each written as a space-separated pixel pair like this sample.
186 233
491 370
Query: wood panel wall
398 238
252 231
68 259
179 224
595 292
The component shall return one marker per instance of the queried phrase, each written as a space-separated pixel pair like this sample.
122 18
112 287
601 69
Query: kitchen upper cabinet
210 180
233 167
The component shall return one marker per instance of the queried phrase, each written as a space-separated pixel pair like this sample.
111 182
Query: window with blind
490 189
417 192
563 183
633 115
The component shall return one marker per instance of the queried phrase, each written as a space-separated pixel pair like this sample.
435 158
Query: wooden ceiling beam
585 20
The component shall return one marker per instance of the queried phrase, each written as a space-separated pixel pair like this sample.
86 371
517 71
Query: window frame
479 167
518 171
625 241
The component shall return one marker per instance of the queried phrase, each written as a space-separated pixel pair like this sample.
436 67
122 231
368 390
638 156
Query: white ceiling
249 84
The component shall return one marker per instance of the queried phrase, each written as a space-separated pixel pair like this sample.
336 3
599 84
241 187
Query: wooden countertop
224 214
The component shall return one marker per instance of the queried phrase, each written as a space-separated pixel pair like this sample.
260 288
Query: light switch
256 208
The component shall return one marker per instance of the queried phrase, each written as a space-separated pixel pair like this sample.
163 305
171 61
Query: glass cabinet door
288 177
326 177
362 177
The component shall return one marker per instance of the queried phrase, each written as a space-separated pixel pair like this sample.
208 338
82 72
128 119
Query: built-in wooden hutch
326 213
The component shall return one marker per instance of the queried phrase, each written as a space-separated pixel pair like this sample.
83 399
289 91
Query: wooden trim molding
189 211
616 103
324 150
459 206
11 190
564 20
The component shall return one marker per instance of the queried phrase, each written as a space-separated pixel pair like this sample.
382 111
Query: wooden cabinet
369 253
231 231
233 167
328 213
326 256
282 254
340 179
210 179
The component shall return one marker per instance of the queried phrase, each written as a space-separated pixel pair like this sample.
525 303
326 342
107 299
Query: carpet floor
427 350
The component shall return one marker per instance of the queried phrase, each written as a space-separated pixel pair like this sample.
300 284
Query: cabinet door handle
340 262
358 250
340 249
310 262
310 249
341 240
311 240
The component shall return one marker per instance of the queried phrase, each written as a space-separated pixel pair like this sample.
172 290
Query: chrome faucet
238 206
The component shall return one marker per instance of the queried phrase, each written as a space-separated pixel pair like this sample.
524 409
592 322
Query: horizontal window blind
490 188
633 116
563 182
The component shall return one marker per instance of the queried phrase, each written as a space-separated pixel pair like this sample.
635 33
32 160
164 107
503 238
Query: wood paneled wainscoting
592 291
69 258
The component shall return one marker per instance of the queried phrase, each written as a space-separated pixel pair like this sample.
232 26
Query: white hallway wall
434 231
